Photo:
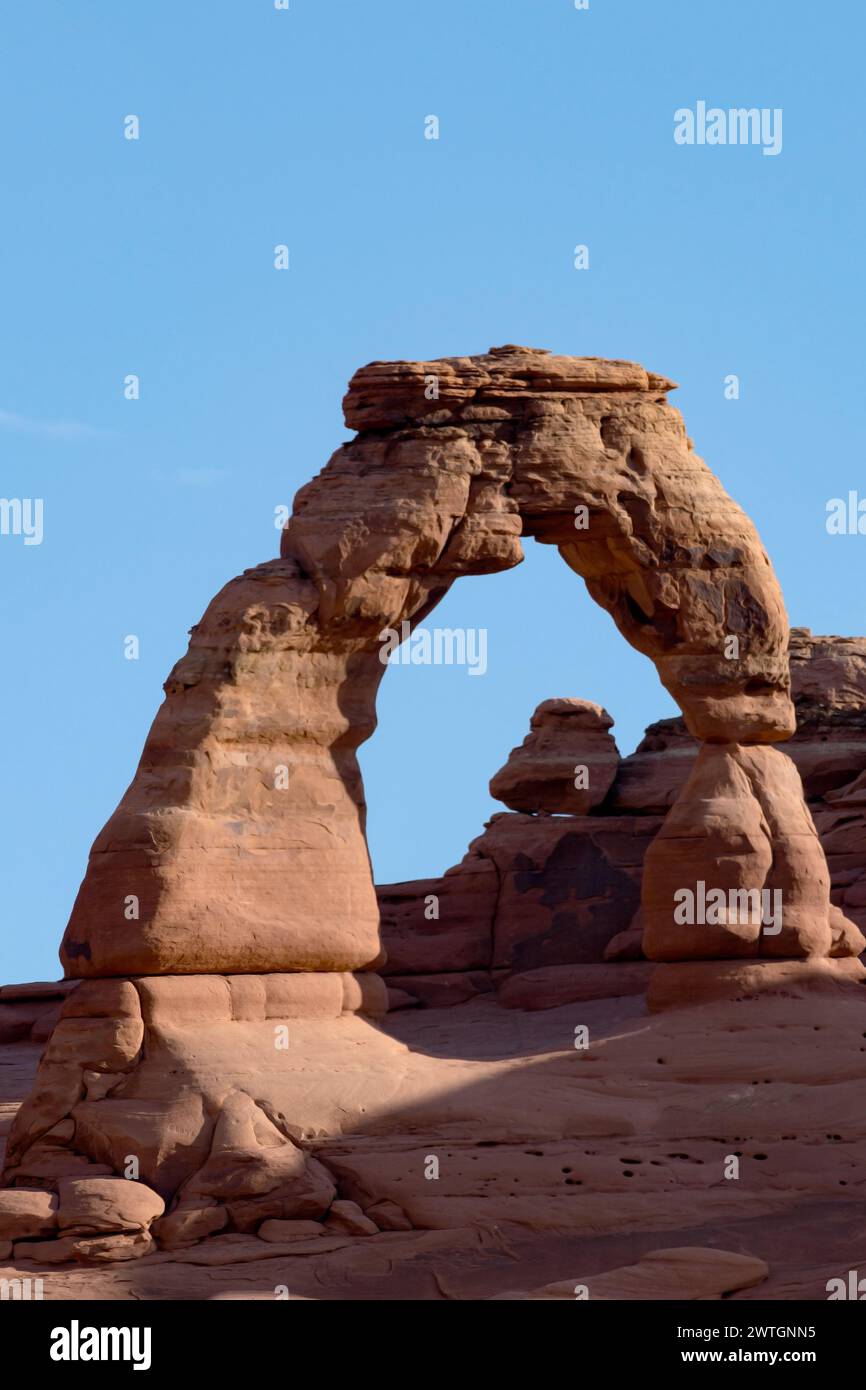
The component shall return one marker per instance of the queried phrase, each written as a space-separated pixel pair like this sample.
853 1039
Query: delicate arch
453 461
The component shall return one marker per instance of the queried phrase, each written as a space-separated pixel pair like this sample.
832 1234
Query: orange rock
187 1226
27 1212
89 1206
284 1232
553 985
687 985
87 1249
228 910
348 1216
566 763
692 1272
740 828
239 847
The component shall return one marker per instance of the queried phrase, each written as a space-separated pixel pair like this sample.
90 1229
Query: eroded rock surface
566 763
689 1273
226 934
241 837
555 1163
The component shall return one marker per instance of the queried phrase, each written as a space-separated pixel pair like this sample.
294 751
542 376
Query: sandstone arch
253 889
282 671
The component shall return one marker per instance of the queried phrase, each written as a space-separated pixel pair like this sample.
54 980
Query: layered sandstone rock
711 982
678 1274
240 845
566 890
554 1162
651 778
566 763
828 676
185 1075
243 826
740 829
842 826
32 1010
441 924
828 687
532 891
828 684
228 903
829 748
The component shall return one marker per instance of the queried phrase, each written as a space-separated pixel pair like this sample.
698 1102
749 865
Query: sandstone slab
89 1206
26 1212
348 1216
683 1275
686 985
554 985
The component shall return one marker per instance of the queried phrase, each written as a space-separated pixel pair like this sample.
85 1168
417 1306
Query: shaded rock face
185 1075
31 1011
651 778
229 899
828 676
584 1160
829 748
680 1274
555 890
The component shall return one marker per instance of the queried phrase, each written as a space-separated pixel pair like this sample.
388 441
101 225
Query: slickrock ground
555 1164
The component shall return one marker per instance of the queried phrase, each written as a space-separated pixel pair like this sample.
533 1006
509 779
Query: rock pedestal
739 830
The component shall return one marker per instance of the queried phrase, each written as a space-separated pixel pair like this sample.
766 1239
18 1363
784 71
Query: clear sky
306 127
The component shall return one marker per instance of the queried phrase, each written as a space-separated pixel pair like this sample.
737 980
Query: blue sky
306 127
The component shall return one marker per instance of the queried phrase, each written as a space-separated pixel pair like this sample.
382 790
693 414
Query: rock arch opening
442 733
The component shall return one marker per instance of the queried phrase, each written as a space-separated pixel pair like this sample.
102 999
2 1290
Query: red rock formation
566 763
741 826
828 685
829 677
562 920
231 890
651 778
240 843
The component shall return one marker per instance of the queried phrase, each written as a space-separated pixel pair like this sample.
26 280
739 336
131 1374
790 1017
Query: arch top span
455 459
